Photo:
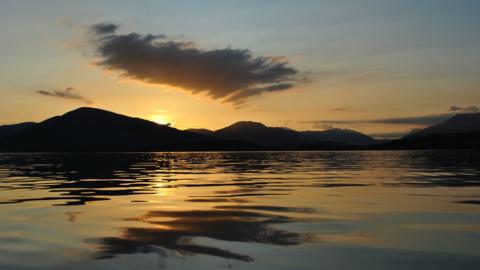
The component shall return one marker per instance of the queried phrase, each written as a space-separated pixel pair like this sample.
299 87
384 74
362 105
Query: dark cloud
425 120
104 28
468 109
231 75
177 230
420 121
240 96
68 93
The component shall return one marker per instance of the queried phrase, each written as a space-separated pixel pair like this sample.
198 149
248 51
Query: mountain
460 123
266 136
202 131
9 130
460 131
89 129
345 136
262 135
411 132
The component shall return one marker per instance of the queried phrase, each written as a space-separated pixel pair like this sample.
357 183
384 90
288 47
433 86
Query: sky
382 67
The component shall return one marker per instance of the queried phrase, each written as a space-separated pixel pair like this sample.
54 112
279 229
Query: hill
460 123
459 132
9 130
90 129
262 135
345 136
202 131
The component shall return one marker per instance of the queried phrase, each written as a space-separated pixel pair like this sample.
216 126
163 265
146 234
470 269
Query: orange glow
161 119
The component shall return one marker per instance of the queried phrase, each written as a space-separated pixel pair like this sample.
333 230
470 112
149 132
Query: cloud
424 120
239 97
418 121
230 75
468 109
68 93
176 230
104 28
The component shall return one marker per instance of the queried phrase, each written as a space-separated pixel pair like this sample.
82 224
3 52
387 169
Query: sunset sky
382 67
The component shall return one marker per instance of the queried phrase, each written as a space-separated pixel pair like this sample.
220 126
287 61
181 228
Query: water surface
241 210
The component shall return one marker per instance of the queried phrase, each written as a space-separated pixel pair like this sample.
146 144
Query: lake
241 210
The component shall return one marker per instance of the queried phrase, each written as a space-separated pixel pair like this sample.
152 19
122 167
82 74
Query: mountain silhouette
411 132
460 131
262 135
460 123
9 130
90 129
202 131
345 136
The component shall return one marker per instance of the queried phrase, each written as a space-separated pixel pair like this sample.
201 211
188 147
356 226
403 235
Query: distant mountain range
265 136
460 123
460 131
262 135
344 136
89 129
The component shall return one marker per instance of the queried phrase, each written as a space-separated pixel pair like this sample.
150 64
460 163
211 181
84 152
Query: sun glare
161 119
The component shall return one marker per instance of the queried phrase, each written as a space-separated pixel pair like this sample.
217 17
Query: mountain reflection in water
246 208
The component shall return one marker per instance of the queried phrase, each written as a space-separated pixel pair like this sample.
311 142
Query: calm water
265 210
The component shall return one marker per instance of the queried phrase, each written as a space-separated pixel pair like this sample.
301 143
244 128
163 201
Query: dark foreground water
265 210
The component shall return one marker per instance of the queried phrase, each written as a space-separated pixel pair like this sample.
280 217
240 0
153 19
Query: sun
161 119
